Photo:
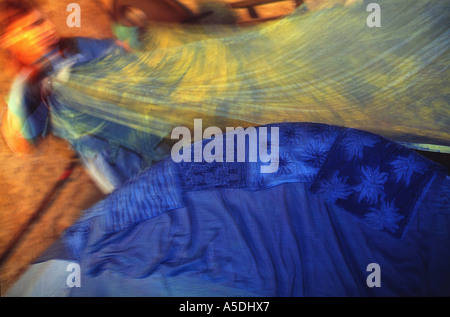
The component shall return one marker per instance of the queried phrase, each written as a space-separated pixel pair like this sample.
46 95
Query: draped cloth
341 201
327 66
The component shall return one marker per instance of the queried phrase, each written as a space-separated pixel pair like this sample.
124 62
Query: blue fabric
375 179
32 110
303 148
205 237
36 123
104 147
276 242
115 160
116 163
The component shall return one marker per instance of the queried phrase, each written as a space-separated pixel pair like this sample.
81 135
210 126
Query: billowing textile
327 67
226 229
110 162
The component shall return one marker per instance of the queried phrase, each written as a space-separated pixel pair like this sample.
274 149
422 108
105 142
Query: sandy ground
25 181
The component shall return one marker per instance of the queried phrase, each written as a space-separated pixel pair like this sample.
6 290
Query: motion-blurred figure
33 41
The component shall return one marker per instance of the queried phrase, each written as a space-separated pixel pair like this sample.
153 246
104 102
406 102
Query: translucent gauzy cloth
327 66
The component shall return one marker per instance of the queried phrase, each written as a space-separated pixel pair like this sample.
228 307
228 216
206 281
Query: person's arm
128 36
25 117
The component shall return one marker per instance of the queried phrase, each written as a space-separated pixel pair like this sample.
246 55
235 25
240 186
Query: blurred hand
125 46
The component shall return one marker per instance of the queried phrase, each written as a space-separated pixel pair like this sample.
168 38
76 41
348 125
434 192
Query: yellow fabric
327 66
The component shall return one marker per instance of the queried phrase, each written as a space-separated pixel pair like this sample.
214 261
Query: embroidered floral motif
285 165
199 175
404 168
321 131
290 135
315 153
356 142
372 184
377 170
385 218
335 188
262 182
